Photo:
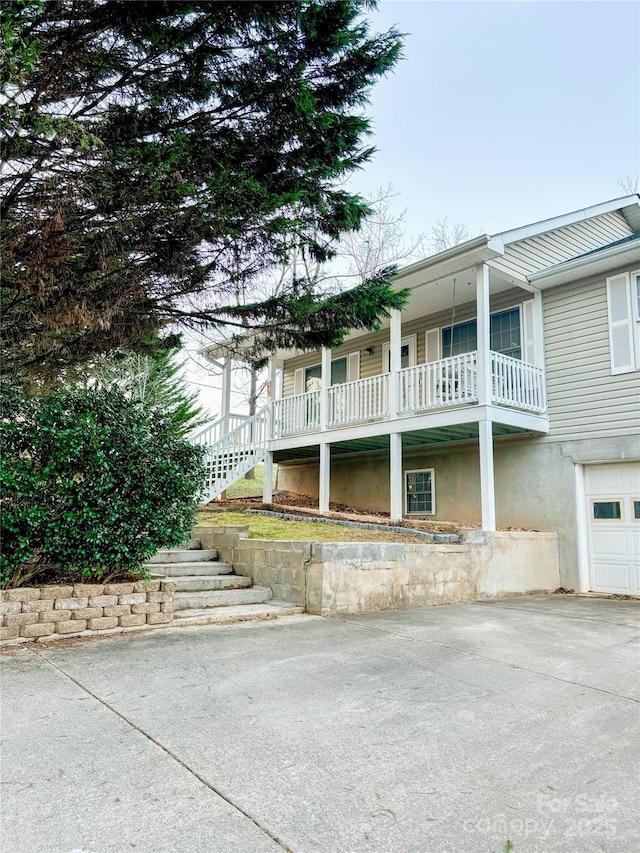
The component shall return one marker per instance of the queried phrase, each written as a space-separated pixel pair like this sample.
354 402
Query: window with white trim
313 374
623 308
408 353
419 492
505 335
345 369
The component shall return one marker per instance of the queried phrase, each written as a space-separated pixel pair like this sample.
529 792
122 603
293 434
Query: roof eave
626 204
602 261
448 262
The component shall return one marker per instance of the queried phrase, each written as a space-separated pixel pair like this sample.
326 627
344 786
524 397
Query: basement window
419 492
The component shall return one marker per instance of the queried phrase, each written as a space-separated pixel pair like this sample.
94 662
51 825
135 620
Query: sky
501 114
504 113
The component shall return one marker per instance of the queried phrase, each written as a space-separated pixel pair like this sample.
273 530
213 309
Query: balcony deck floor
440 437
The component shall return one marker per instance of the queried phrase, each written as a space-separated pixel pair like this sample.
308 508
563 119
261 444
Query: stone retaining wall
84 609
329 578
278 564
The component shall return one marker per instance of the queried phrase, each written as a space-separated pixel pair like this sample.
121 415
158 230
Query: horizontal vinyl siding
545 250
584 399
372 365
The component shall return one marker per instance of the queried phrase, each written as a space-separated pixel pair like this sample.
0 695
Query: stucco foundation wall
535 485
332 578
512 562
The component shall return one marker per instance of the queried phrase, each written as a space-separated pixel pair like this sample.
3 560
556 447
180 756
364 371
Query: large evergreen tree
157 155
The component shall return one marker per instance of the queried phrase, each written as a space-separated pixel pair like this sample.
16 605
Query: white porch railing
235 453
362 400
213 432
517 383
448 382
440 384
300 413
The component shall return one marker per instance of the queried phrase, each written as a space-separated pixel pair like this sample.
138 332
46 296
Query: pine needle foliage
154 383
160 155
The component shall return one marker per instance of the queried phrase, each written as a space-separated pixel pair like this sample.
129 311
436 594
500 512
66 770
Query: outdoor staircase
234 445
208 592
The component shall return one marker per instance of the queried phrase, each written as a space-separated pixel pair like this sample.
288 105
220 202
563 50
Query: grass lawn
251 488
265 527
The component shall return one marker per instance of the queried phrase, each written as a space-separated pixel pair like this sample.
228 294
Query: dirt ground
305 506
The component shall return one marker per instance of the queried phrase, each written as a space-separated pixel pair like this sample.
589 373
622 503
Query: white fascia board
409 423
464 256
599 262
545 225
223 349
418 266
213 352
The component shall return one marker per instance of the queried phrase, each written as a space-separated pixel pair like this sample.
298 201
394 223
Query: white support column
226 395
395 359
396 498
267 487
487 483
484 339
325 382
273 375
538 327
225 408
325 477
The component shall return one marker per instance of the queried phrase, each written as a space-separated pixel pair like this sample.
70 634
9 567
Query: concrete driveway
482 727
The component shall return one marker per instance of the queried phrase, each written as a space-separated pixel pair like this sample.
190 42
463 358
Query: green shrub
92 485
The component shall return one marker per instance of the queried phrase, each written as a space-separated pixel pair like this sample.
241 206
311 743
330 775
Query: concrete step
222 598
204 583
229 615
183 555
174 570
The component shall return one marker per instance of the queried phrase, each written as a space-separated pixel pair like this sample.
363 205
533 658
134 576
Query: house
505 394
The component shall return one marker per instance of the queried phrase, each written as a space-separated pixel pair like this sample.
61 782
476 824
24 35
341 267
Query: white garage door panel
609 577
602 481
623 476
613 544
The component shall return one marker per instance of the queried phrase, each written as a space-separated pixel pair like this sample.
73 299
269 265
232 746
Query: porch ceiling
432 296
434 289
441 437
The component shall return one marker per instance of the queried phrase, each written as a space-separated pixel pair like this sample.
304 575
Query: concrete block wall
330 578
79 610
365 577
278 564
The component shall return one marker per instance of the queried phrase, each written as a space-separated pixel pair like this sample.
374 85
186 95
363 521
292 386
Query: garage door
613 526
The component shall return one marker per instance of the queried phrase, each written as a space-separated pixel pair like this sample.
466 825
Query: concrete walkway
474 728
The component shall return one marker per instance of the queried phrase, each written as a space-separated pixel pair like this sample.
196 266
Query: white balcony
444 384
